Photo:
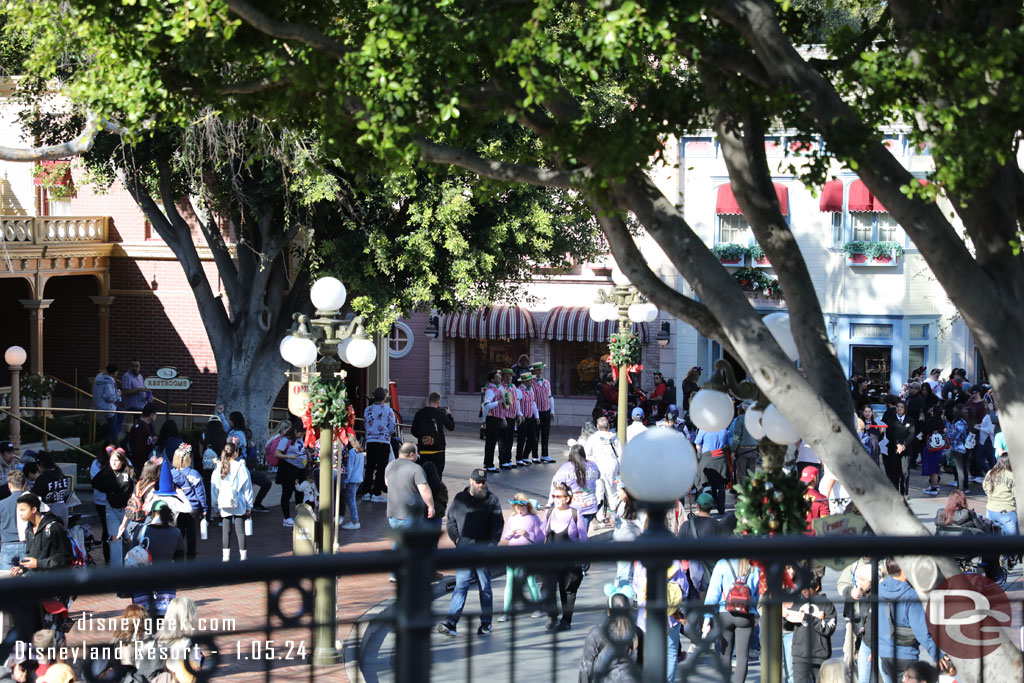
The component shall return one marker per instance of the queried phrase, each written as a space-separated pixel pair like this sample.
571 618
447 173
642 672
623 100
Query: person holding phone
428 426
46 543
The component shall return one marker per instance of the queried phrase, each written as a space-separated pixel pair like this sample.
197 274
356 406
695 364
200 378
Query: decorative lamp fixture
619 278
300 351
360 352
637 312
665 335
599 312
328 294
778 325
658 466
711 410
752 423
15 355
433 328
777 428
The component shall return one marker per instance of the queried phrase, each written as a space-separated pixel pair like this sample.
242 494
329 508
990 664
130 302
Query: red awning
860 198
573 323
497 322
832 196
728 206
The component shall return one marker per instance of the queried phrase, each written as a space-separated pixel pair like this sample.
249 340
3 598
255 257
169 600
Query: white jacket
603 449
238 482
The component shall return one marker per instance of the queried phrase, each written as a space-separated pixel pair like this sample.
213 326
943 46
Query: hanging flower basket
730 254
863 253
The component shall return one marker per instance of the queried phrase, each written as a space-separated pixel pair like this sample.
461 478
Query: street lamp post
658 467
625 304
15 357
327 341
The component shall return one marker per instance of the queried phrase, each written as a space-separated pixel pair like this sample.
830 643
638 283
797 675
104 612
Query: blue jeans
114 423
114 517
11 554
1007 521
863 665
787 656
462 579
672 655
397 523
349 501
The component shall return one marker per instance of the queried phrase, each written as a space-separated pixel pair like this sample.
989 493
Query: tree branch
221 255
498 170
286 30
80 145
250 87
732 60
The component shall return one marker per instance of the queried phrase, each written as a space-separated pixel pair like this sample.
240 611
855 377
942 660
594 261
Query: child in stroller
957 519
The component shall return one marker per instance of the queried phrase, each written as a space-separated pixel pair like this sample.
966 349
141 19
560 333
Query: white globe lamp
658 466
597 312
777 428
619 278
328 294
778 325
652 313
15 355
343 350
637 312
299 351
753 423
361 353
711 410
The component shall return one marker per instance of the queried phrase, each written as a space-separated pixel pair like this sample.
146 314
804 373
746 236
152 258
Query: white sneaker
978 480
931 491
289 522
367 496
350 525
379 499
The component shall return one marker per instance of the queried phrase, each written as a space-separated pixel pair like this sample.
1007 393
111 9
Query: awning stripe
727 205
497 322
573 323
832 197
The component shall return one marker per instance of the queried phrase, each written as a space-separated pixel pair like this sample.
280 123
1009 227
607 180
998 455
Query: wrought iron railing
275 635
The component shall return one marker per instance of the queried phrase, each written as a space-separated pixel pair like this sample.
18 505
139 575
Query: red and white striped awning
573 323
496 322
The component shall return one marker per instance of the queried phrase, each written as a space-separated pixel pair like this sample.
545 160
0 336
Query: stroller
992 567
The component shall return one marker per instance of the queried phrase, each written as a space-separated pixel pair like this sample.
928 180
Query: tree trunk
250 384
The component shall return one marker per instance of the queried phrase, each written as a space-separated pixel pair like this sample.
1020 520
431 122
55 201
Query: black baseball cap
6 446
479 475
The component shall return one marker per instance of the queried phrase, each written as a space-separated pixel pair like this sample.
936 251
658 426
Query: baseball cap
638 413
809 474
705 501
6 446
159 505
479 475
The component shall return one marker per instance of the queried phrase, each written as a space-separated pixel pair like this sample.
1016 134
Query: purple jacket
530 524
577 526
583 499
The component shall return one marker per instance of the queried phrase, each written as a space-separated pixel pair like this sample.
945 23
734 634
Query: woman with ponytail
189 480
116 480
231 490
581 476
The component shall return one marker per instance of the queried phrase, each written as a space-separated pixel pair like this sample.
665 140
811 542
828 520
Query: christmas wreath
770 503
327 407
623 349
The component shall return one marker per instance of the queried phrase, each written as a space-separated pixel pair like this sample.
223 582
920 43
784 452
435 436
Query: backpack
738 600
936 441
209 456
970 441
135 510
271 451
78 556
139 555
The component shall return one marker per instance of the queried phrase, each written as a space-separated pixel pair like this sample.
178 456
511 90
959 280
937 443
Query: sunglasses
559 495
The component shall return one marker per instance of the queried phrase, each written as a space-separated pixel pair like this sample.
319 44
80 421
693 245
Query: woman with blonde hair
523 527
231 489
834 671
189 480
173 641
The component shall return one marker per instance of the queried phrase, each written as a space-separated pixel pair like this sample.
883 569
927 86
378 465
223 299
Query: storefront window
577 367
477 358
875 363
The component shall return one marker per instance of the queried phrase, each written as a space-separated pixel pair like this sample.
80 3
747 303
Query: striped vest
527 403
542 390
507 406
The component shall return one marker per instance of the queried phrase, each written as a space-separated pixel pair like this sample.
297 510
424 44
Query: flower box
730 254
762 262
731 261
758 258
862 253
861 259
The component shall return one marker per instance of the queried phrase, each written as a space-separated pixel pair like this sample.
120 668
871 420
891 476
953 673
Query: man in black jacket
473 517
46 543
428 427
814 619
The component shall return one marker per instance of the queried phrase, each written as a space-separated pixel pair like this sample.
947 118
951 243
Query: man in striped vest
508 410
526 441
494 422
546 411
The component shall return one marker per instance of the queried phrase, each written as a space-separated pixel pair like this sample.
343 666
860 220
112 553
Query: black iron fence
276 635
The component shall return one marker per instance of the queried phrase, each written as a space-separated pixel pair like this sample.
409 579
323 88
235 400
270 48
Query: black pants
543 433
526 439
896 468
376 461
261 480
505 451
101 510
225 532
188 524
714 473
436 458
961 467
493 427
568 582
737 630
806 670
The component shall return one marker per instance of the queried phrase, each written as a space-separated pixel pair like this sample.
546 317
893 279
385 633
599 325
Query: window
915 358
919 331
876 331
887 226
577 367
837 229
400 341
874 226
733 229
477 358
874 363
863 226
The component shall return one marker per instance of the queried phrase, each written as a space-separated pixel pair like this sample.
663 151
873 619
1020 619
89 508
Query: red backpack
738 600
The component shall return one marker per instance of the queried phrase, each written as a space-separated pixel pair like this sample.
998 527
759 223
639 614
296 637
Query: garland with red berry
772 503
623 349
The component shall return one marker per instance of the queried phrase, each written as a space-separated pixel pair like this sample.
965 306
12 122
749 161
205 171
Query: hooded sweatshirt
49 545
812 639
900 598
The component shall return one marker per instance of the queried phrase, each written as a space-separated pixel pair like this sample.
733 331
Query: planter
858 259
762 263
731 262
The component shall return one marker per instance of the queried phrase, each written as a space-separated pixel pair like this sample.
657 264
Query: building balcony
39 247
